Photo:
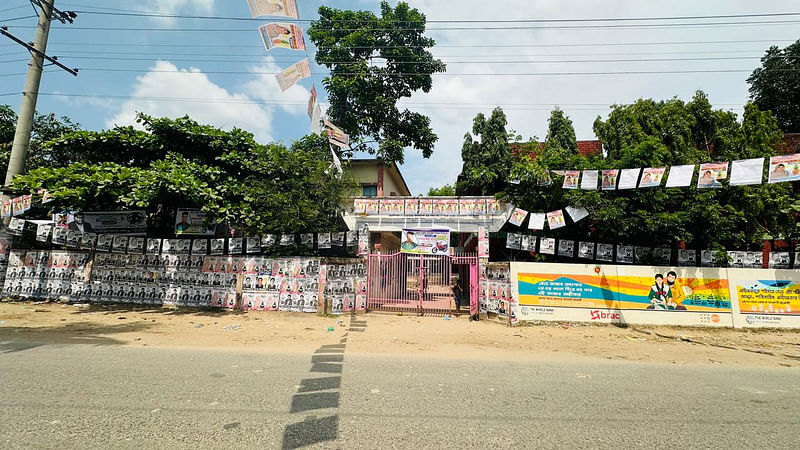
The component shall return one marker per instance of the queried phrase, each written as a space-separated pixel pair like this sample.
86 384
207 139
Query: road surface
104 396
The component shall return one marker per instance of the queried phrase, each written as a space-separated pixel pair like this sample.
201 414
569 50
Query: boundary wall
715 297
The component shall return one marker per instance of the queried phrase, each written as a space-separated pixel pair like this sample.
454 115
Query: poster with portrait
784 168
662 256
235 246
438 206
6 208
200 247
779 260
547 246
571 178
337 239
411 206
392 207
114 222
687 257
586 250
708 258
307 240
88 241
425 207
268 241
192 222
711 175
451 206
426 241
287 240
217 246
483 242
517 216
527 243
493 207
284 8
119 244
352 240
513 241
641 255
628 178
359 206
651 177
625 254
16 204
555 219
289 76
104 241
252 245
43 231
609 179
566 248
282 35
323 240
371 207
136 245
153 246
754 260
59 235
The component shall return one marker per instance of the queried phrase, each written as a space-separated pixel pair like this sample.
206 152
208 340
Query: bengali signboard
192 222
425 241
111 222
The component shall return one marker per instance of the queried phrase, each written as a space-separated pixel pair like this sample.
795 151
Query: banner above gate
425 241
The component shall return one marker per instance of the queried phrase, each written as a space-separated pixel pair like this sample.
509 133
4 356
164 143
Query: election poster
282 35
747 171
411 206
518 216
680 176
113 222
492 207
571 178
284 8
628 178
712 174
336 136
586 250
292 74
392 207
359 206
784 168
6 208
425 206
371 207
312 102
589 180
547 246
513 241
425 241
555 219
651 177
566 248
483 242
609 181
192 222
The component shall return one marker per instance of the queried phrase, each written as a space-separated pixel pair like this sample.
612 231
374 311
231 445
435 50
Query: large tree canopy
775 86
487 161
374 61
652 133
181 164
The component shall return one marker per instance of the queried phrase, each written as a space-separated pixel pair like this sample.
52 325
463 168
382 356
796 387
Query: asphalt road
95 396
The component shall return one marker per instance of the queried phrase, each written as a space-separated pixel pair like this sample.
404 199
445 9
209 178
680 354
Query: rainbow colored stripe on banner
623 292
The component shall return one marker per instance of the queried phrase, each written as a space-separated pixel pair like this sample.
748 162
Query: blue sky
175 72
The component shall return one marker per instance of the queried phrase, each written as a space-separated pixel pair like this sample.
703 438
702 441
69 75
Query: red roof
585 148
791 143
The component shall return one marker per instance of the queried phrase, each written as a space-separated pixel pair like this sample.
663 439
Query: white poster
747 171
547 246
589 180
628 178
680 176
292 74
283 8
536 221
577 214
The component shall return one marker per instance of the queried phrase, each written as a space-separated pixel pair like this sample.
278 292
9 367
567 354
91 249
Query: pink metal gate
416 283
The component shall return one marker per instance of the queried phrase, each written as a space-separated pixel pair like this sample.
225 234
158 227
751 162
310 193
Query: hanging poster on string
316 120
492 206
312 102
571 179
609 182
680 176
6 208
323 240
43 231
335 134
586 250
747 171
566 248
513 241
282 35
517 217
784 168
527 243
651 177
605 252
284 8
27 200
287 240
628 178
577 214
536 221
547 246
687 257
292 74
712 174
625 254
483 242
46 196
555 219
589 180
16 203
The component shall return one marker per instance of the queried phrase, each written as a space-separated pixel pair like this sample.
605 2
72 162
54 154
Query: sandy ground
385 334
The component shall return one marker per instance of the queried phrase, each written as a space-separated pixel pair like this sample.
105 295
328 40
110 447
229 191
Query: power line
18 18
504 28
135 13
13 8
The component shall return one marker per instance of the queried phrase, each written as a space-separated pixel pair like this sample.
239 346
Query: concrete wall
622 294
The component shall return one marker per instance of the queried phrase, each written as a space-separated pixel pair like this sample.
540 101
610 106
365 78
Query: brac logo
602 315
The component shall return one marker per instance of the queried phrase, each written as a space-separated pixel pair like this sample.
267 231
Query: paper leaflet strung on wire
312 102
336 136
294 73
282 35
284 8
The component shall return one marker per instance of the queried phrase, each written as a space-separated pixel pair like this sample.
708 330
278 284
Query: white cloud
154 93
527 100
184 6
265 87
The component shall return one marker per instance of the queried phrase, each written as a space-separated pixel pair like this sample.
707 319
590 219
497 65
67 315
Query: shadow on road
318 393
17 339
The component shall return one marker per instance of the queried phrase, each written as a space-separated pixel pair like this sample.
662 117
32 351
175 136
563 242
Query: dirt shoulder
383 334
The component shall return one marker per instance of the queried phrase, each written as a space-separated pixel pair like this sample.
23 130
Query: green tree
775 86
652 133
445 191
560 133
486 161
181 163
375 61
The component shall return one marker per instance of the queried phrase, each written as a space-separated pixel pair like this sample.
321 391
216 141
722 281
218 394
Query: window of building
369 190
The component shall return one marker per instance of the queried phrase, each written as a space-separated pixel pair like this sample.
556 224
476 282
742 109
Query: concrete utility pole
22 136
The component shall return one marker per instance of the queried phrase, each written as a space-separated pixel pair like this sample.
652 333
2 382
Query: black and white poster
708 258
662 256
527 243
337 239
307 240
43 231
182 246
547 246
351 238
641 255
217 246
104 242
268 241
323 240
566 248
586 250
119 244
200 247
513 241
136 245
73 238
253 245
779 260
625 254
687 257
287 240
235 246
88 241
59 234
